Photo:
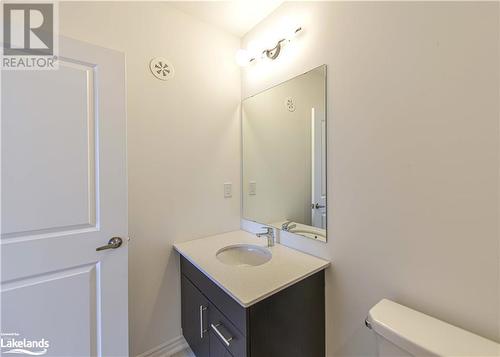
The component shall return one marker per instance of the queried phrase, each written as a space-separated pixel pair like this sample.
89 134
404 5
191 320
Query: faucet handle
285 225
269 230
269 233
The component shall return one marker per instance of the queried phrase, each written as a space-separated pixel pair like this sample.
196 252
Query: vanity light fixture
245 57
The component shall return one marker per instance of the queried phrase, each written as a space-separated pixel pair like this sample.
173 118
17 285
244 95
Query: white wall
183 143
413 157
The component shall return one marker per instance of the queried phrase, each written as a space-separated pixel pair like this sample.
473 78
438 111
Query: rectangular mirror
284 156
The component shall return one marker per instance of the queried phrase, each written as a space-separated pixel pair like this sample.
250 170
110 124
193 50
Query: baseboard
167 349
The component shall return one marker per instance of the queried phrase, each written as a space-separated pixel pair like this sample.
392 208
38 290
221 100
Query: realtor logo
12 343
29 36
28 29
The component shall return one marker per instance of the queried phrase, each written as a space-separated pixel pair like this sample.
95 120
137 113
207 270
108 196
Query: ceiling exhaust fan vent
161 68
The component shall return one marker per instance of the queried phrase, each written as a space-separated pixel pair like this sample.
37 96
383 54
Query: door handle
113 243
317 206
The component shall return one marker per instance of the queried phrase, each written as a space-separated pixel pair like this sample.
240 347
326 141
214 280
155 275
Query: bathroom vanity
255 301
243 296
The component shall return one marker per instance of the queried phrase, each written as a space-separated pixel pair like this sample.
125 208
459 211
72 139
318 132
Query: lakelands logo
12 343
29 36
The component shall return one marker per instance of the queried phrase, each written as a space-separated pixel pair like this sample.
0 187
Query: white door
318 168
63 175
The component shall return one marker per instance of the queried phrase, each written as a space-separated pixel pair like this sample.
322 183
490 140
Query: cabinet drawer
217 348
226 333
236 313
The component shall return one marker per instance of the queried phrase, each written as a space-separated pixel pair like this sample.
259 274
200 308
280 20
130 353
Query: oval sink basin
244 255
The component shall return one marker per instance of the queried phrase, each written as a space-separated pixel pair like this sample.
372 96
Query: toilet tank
401 331
385 348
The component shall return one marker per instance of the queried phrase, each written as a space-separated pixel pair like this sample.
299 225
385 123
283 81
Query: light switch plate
252 188
228 189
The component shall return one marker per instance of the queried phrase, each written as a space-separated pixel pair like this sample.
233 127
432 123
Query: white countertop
249 285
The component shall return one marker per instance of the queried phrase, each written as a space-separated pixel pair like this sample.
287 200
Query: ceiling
236 17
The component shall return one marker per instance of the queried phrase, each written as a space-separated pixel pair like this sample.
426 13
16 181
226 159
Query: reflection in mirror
284 155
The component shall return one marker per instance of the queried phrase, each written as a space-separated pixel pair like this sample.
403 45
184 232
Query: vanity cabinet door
195 318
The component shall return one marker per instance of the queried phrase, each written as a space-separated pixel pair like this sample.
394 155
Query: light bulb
242 57
254 49
293 32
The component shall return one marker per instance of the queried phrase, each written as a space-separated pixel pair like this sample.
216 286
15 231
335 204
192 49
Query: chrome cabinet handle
202 330
113 243
224 339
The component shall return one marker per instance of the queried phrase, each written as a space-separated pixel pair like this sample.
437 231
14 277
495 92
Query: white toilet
401 331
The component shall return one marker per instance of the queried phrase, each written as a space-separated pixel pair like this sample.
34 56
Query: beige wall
413 157
183 144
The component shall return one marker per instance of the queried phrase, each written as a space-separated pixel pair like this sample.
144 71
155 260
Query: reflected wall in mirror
284 156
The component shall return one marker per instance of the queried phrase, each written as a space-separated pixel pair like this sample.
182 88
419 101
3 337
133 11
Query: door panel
195 318
64 194
49 185
76 285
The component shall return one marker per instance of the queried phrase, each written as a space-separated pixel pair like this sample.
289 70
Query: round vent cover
161 68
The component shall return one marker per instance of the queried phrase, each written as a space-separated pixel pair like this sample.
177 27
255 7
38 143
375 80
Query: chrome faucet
269 233
288 225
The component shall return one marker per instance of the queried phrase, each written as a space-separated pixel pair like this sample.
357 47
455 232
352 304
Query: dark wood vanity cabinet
289 323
